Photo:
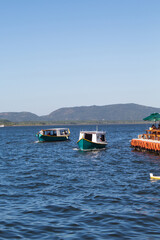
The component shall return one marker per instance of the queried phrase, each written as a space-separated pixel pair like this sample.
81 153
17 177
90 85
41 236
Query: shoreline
23 124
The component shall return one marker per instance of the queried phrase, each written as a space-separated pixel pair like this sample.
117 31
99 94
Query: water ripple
54 191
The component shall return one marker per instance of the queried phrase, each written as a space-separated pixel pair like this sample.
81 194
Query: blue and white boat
53 134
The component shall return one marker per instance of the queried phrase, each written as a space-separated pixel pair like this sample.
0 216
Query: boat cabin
93 136
55 132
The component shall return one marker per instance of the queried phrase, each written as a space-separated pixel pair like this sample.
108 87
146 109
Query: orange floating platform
149 141
146 144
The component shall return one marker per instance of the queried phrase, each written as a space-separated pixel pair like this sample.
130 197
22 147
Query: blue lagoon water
54 191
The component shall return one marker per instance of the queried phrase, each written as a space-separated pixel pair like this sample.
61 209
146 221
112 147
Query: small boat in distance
154 177
91 140
53 134
2 125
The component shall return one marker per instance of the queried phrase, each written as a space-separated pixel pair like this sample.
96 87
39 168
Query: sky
66 53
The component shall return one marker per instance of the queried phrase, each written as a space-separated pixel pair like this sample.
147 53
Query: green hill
114 112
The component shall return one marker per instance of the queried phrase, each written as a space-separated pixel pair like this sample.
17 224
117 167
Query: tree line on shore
45 123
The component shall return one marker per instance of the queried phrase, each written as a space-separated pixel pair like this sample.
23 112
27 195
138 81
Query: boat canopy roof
93 132
55 129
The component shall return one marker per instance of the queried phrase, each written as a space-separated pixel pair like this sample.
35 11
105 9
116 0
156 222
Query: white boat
2 125
90 140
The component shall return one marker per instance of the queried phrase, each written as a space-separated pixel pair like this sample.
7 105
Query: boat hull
45 138
84 144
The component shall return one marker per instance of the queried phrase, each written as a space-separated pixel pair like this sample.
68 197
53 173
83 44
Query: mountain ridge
112 112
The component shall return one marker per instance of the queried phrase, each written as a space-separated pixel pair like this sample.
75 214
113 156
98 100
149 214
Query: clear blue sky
64 53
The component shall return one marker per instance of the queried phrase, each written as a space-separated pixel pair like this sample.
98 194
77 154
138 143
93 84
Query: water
54 191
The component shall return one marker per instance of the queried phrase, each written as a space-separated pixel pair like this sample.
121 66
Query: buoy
154 177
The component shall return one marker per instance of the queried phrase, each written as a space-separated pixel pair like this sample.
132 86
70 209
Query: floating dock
149 141
143 144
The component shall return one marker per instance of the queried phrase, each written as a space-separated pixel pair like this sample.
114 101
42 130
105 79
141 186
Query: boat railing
149 136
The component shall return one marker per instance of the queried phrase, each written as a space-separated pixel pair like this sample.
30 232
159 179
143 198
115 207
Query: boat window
102 138
63 132
54 133
88 136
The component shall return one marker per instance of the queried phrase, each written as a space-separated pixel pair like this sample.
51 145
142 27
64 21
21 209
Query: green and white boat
53 134
92 140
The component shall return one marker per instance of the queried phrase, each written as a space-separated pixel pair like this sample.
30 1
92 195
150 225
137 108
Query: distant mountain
19 116
114 112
